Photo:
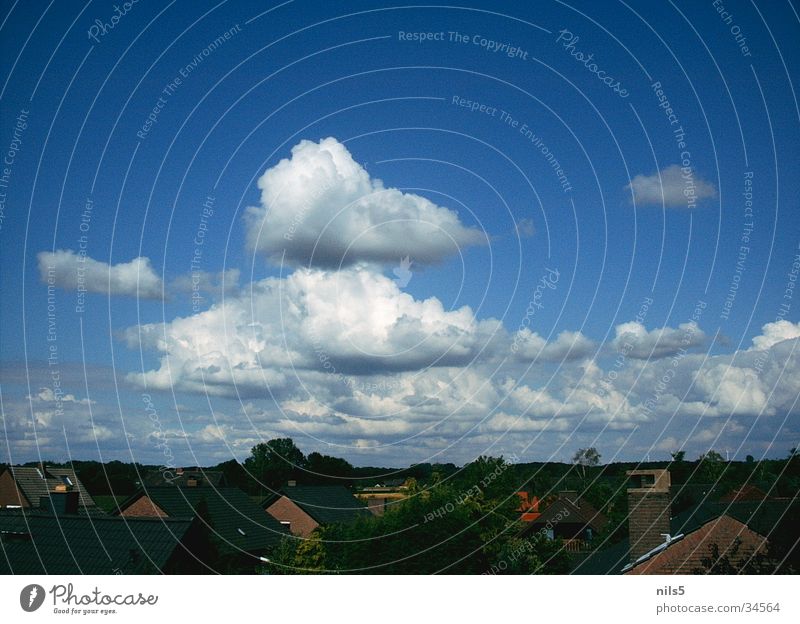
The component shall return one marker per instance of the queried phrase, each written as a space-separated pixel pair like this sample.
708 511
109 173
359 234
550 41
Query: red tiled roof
685 556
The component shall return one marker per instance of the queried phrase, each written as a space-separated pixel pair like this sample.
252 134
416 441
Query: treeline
271 464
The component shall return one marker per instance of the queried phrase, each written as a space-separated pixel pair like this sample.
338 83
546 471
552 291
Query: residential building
26 486
569 518
58 538
694 541
185 477
239 531
302 508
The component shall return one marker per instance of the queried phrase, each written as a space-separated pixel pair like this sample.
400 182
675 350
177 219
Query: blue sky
480 210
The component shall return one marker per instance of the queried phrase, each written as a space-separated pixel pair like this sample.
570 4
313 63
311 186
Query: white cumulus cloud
70 271
635 341
321 207
670 186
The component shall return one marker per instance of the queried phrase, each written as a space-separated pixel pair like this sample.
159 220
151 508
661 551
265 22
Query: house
302 508
569 518
185 477
383 495
746 492
694 540
692 552
56 538
26 486
239 531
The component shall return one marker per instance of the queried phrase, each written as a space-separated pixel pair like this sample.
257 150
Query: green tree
463 525
326 469
710 467
586 458
273 463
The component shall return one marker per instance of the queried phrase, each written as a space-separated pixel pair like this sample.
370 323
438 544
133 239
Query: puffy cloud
635 341
346 322
321 207
48 395
567 346
773 333
670 187
71 271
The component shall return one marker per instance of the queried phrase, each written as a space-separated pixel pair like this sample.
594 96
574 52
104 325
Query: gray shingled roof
34 542
235 520
35 483
327 504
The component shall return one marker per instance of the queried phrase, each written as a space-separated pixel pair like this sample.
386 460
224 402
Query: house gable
143 507
686 556
285 510
10 494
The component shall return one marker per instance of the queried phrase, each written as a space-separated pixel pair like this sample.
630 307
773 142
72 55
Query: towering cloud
320 207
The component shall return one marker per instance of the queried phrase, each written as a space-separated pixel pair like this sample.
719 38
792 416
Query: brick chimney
648 510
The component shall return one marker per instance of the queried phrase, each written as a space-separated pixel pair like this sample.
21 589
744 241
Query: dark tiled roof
235 520
36 483
182 476
759 516
34 542
327 504
565 511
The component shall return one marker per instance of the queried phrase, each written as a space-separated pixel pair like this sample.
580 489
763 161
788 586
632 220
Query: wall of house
686 556
284 510
9 492
143 508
